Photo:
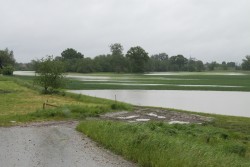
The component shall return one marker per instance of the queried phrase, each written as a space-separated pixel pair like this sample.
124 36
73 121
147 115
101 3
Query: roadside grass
19 104
160 144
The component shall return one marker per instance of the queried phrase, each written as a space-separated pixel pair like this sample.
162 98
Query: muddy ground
55 144
143 114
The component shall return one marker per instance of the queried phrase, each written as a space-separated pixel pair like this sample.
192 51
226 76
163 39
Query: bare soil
142 114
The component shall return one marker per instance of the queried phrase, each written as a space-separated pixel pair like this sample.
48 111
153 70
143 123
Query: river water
216 102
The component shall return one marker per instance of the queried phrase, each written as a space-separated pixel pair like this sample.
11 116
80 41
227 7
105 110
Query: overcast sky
205 29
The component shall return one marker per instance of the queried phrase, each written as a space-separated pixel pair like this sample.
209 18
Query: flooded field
180 90
216 102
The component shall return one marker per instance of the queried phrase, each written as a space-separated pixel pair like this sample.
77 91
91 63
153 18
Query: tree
118 61
178 63
199 66
103 63
85 65
159 62
71 53
212 65
246 63
224 65
137 57
50 74
7 61
70 57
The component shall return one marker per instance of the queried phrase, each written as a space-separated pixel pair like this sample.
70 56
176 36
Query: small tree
50 74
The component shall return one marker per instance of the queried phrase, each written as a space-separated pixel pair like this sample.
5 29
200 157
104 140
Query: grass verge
20 102
160 144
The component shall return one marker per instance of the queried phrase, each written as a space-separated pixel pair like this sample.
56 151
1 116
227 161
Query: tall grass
159 144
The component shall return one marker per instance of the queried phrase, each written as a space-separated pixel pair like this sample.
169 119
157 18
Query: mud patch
146 114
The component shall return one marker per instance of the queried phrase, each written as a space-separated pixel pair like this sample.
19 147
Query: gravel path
54 144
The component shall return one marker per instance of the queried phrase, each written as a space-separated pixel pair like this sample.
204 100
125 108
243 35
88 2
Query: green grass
19 103
160 144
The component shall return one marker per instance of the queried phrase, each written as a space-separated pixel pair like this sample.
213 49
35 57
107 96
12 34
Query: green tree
71 53
211 66
246 63
118 61
103 63
199 66
85 65
49 74
224 65
7 61
178 63
71 57
159 62
138 58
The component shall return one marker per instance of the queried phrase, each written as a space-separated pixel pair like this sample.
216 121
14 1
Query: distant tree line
135 60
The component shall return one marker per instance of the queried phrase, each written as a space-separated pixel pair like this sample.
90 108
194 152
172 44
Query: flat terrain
224 80
214 140
55 144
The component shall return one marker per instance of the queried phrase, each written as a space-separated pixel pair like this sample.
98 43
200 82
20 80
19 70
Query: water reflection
218 102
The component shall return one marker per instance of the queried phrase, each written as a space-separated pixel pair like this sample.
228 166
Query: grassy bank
22 102
161 144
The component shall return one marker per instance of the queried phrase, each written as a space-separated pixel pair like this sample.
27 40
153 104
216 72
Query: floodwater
195 73
216 102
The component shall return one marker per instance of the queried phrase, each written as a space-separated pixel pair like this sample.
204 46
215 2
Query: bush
8 70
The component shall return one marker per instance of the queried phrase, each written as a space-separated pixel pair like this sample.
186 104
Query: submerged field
225 81
173 81
223 141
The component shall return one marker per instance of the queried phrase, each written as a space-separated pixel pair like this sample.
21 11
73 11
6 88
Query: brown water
217 102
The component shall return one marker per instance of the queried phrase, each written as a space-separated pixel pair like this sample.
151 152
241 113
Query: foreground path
53 144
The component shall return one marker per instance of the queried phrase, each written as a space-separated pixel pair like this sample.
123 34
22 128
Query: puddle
219 86
129 117
178 122
180 85
142 120
194 73
131 84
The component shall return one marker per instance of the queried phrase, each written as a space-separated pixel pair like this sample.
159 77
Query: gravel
53 144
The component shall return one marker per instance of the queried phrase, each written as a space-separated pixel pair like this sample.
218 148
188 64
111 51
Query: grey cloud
208 29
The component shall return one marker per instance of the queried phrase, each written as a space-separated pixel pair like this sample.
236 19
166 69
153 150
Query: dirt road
53 145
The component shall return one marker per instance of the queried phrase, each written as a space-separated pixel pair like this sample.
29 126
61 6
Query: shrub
8 70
